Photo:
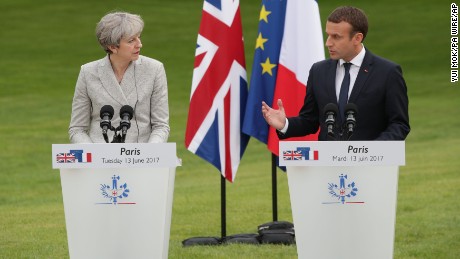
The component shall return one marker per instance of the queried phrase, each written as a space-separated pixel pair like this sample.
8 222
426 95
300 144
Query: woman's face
129 48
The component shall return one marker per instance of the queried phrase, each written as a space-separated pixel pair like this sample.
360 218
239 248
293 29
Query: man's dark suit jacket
380 93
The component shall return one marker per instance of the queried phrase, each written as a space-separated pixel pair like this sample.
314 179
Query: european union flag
264 67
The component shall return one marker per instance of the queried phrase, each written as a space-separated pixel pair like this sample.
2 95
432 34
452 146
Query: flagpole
274 189
223 206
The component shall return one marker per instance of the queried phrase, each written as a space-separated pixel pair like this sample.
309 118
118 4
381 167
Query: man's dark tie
343 96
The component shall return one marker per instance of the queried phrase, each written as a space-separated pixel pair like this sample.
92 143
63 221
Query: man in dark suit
375 85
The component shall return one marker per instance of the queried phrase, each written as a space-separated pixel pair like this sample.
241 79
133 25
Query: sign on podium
343 196
117 198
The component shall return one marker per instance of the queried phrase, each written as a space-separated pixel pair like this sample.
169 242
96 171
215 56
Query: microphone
351 110
330 111
126 114
106 115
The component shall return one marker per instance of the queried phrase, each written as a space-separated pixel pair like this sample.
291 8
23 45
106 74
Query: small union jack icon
292 155
65 158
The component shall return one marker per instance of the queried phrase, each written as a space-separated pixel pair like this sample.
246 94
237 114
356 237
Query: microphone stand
331 129
117 138
344 134
123 136
331 137
106 137
104 132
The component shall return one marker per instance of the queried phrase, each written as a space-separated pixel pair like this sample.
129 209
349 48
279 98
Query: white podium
117 198
343 196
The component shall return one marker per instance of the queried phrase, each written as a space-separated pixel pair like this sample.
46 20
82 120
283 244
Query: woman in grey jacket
123 78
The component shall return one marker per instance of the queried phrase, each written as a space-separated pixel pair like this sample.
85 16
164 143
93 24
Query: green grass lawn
44 43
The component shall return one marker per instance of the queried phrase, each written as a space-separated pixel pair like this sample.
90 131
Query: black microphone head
351 107
107 110
127 110
331 107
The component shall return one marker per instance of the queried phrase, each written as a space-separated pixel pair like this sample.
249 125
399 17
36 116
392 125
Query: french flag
81 156
289 41
302 46
312 155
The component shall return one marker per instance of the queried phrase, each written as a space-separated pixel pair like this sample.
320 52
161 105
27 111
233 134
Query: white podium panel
117 209
343 208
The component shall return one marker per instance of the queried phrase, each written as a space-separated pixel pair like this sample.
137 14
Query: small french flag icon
313 155
81 156
86 158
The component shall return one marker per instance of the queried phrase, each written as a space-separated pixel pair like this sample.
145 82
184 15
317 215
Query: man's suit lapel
109 82
364 71
330 83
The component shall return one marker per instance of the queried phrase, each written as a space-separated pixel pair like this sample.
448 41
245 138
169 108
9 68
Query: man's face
339 43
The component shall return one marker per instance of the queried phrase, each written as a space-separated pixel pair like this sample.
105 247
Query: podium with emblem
117 198
343 196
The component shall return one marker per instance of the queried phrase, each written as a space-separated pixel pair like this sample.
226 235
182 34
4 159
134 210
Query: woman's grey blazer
143 87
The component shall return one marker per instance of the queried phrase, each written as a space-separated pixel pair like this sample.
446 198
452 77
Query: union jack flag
219 89
292 155
65 158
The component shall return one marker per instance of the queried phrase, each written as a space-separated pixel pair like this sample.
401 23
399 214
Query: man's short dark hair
352 15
